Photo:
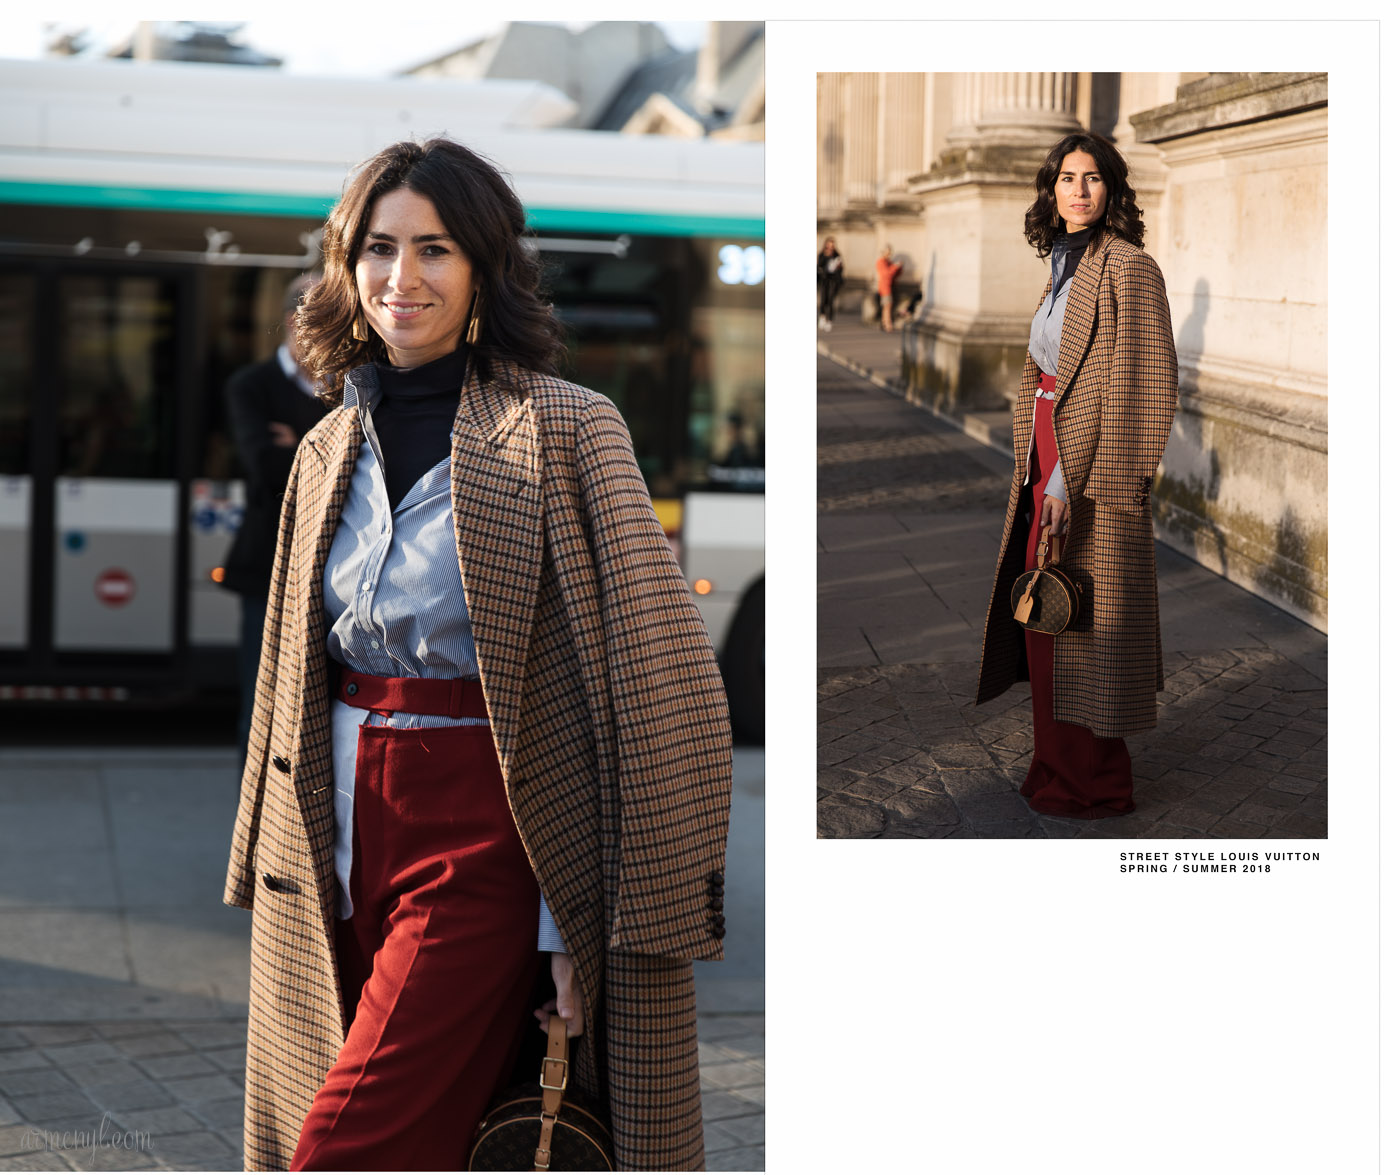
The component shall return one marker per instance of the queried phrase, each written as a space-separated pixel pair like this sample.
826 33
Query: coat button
352 689
282 763
271 882
717 902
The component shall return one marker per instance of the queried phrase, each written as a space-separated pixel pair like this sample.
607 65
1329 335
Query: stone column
932 140
897 220
901 130
1025 109
965 350
966 108
861 132
830 145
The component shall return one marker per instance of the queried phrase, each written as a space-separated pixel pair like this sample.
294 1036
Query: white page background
1004 1006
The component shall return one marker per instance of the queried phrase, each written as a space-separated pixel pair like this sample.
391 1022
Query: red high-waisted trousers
1073 771
437 962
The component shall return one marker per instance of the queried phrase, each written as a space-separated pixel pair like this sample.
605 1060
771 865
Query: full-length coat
1115 399
611 728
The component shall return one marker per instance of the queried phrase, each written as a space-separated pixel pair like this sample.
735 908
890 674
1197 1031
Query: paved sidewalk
123 977
910 516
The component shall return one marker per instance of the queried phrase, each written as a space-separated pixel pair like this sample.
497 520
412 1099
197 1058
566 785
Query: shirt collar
1068 242
362 387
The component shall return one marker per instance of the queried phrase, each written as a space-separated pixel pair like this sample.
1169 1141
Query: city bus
151 216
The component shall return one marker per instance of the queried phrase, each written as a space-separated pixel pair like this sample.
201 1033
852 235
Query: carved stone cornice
1229 99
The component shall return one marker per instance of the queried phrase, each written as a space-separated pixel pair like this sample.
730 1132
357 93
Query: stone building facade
1231 172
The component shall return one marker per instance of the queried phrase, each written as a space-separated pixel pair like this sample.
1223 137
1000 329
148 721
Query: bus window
117 358
18 297
17 300
727 426
242 325
727 418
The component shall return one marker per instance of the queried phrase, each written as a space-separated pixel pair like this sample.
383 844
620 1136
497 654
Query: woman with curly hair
490 748
1095 408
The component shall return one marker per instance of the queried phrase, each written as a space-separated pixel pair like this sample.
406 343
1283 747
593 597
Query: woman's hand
566 1003
1052 514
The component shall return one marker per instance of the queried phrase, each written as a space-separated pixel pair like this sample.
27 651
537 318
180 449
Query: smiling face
1081 196
415 282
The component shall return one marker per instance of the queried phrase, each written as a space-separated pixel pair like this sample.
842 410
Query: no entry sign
115 587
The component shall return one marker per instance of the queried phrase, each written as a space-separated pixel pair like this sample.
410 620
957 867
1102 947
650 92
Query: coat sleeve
1141 397
241 881
673 736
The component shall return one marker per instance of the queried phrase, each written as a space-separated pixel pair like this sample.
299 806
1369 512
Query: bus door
101 473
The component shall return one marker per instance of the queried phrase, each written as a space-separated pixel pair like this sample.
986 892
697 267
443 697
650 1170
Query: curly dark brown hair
482 214
1122 216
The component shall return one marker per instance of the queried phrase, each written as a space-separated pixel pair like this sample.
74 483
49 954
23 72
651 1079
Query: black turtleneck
1072 246
414 418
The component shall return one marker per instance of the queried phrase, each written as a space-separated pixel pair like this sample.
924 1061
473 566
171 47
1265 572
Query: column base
959 364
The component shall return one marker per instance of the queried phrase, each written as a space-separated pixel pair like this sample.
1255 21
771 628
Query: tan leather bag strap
554 1079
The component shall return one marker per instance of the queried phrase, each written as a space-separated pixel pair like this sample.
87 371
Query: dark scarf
414 418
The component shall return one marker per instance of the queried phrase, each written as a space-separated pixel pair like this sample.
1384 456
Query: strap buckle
563 1077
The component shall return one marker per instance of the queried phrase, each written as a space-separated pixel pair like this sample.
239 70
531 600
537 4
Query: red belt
1047 382
454 697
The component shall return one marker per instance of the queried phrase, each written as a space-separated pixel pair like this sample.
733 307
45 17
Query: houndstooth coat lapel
496 513
1080 317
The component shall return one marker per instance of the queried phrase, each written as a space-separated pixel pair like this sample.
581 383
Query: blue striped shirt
1046 328
396 608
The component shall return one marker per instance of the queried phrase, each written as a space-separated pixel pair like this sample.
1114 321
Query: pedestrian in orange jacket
886 270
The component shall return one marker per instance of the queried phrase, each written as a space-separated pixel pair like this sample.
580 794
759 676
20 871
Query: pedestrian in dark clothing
271 406
829 279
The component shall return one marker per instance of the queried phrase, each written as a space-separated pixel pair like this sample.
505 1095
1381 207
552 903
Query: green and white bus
151 216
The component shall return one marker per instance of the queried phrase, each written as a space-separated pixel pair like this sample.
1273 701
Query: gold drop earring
474 320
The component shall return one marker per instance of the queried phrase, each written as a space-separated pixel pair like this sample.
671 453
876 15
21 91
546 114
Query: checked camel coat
1115 400
611 728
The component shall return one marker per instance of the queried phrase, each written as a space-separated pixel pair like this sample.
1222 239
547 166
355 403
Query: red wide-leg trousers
1073 771
437 962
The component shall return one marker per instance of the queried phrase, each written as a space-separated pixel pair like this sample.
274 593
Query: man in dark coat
271 406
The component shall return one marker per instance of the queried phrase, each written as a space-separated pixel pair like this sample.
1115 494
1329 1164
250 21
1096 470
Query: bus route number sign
741 265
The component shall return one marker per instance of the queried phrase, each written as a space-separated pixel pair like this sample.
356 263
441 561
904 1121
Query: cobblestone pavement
868 461
732 1091
1240 751
168 1095
909 520
123 1095
123 978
